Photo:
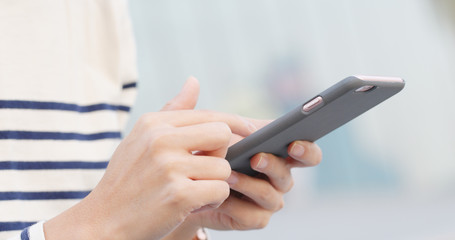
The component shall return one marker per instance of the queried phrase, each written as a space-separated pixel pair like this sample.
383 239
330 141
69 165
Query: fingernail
233 179
297 151
251 127
262 162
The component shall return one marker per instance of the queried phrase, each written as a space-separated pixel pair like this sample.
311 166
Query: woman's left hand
257 198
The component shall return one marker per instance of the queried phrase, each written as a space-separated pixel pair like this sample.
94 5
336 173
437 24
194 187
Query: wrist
78 222
67 225
186 230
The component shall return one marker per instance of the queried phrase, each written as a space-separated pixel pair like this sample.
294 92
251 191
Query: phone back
334 107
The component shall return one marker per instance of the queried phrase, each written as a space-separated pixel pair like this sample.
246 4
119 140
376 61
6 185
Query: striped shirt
67 82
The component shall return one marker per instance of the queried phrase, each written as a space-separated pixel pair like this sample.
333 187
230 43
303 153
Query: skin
261 197
168 178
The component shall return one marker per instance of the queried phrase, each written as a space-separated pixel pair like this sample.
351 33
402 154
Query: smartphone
314 118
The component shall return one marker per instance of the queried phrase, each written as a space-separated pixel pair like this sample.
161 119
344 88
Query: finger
304 154
258 190
211 136
238 125
187 98
207 168
211 193
276 169
259 123
235 139
245 215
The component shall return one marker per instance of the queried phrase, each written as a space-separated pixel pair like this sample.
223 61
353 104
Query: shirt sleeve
128 70
34 232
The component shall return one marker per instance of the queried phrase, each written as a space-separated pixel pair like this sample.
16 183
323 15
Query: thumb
187 98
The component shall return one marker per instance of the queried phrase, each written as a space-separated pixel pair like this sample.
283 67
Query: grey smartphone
314 118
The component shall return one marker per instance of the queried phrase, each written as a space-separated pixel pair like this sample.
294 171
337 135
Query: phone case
315 118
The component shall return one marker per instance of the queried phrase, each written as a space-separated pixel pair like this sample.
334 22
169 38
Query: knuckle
280 205
223 129
145 119
153 120
177 192
158 138
170 168
289 186
266 194
147 125
263 223
155 138
270 195
254 222
220 131
225 190
224 168
165 173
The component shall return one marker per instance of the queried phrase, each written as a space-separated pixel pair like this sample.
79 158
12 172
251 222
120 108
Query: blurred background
389 174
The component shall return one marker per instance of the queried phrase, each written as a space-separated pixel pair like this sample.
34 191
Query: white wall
384 171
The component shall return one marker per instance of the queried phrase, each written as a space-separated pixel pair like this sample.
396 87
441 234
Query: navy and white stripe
39 169
52 165
39 105
5 196
67 84
62 136
14 226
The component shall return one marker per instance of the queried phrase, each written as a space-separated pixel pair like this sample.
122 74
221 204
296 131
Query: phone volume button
312 104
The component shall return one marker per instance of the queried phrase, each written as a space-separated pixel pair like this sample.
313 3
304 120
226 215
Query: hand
259 197
154 181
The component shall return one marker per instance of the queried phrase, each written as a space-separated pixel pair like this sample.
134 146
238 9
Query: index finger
181 118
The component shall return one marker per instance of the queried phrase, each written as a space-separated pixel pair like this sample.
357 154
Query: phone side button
312 104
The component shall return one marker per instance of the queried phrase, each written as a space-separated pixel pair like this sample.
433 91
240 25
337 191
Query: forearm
78 222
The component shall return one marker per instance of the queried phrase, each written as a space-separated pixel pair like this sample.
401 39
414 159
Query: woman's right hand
154 181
